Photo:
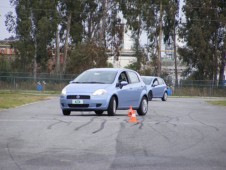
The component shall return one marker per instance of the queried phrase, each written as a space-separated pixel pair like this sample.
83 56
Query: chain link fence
56 82
200 88
42 82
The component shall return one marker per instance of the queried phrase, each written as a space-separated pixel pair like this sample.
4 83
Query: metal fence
200 88
55 82
42 82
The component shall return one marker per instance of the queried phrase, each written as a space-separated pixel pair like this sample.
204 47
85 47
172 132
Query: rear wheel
99 112
66 112
112 106
150 96
143 108
164 97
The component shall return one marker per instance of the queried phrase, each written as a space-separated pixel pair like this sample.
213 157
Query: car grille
78 105
78 97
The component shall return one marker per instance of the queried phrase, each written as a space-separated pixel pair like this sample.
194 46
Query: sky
4 9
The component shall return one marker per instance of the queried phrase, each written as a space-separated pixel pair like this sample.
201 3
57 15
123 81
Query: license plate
77 101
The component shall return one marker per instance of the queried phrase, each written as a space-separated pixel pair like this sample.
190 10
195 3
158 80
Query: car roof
150 76
110 69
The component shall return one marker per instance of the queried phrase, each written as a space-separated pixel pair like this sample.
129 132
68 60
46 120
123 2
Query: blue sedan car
105 89
156 87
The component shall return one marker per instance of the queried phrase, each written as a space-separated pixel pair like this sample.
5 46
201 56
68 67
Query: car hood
85 88
149 87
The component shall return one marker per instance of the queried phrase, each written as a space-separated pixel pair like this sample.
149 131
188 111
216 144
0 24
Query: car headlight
99 92
64 92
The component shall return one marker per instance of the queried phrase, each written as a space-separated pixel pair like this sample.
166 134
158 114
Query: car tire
112 106
66 112
143 108
164 97
150 96
99 112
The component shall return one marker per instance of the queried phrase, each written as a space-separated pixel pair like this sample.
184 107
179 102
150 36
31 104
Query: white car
156 87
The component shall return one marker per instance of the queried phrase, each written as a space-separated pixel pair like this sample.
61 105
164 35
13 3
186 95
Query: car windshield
147 80
96 77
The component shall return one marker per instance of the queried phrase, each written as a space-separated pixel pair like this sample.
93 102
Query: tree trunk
215 60
35 62
175 54
57 53
35 45
222 66
66 42
103 26
160 41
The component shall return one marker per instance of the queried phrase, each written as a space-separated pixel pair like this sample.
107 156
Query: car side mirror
124 83
121 84
154 84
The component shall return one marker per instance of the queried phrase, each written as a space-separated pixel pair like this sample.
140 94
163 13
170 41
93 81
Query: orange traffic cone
130 112
133 118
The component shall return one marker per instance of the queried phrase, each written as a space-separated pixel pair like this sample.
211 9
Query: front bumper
91 104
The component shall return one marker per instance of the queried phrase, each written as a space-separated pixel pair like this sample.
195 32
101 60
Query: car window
123 77
108 77
133 77
155 82
161 81
147 80
102 77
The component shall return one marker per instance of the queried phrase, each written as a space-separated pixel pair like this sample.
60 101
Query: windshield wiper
79 82
94 82
88 82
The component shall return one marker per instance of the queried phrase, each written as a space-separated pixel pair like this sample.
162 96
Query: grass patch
219 102
14 99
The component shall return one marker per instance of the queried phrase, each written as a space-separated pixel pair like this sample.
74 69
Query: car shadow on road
88 114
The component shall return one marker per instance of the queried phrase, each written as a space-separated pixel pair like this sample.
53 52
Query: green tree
135 12
84 22
85 56
204 34
4 65
170 29
71 23
35 26
147 16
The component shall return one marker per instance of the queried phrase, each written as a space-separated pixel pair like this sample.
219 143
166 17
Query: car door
155 88
136 87
129 94
162 87
123 92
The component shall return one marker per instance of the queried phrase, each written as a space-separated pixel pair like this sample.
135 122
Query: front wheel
66 112
143 108
164 97
112 106
99 112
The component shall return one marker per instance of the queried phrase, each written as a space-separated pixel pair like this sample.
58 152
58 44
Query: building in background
126 53
7 51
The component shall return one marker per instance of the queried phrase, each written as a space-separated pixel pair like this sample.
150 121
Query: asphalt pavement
179 134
